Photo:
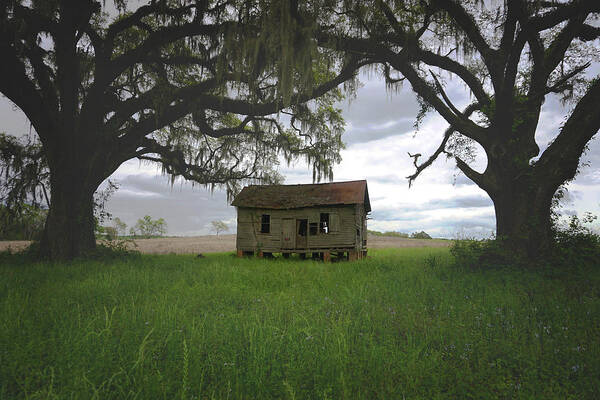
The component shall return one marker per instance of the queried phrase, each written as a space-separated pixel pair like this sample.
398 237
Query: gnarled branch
467 112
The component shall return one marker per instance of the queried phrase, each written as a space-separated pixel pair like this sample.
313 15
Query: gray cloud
13 121
187 210
412 211
463 202
367 133
462 180
391 179
376 113
479 226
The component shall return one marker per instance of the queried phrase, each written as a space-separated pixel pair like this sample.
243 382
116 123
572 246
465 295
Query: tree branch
479 179
440 89
563 13
588 33
561 158
448 64
372 48
173 161
559 85
470 28
467 112
36 22
16 85
206 129
461 123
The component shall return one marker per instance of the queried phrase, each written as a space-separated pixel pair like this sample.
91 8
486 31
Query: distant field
223 243
404 324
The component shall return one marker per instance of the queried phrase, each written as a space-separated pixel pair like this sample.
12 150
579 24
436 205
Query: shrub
114 249
106 232
148 227
576 249
26 224
482 254
219 226
420 235
576 245
388 233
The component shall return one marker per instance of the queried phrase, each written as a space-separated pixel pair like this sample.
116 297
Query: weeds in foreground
405 323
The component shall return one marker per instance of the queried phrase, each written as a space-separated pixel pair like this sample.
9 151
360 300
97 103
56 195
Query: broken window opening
265 223
324 223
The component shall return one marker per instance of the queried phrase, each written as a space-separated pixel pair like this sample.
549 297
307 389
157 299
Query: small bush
482 254
113 249
576 245
420 235
389 233
106 232
576 249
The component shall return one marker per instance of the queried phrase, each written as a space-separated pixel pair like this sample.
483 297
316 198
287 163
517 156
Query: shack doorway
302 233
288 233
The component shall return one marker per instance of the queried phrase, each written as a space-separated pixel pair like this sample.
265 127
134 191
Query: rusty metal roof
297 196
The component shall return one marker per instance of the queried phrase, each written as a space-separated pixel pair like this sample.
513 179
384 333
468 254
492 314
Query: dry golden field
223 243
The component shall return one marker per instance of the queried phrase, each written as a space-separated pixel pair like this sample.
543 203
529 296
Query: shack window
302 227
265 223
324 224
313 228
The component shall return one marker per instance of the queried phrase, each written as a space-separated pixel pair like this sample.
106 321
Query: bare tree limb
467 112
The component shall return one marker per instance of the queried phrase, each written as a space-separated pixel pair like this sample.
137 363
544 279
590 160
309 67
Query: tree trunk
523 219
69 229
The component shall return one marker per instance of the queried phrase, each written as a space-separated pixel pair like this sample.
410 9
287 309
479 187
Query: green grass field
402 324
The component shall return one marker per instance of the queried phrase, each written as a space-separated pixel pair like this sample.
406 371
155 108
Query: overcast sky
379 133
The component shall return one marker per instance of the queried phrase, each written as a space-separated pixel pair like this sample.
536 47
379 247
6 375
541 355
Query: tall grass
403 324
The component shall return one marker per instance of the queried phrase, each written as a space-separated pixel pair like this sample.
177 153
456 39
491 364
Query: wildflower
575 368
547 330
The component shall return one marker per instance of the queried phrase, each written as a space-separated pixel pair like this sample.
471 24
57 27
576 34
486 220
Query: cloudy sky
379 133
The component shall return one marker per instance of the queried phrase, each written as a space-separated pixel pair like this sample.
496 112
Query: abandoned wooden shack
319 219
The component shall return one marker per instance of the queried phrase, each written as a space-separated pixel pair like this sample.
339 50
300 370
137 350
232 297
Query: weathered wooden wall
249 237
361 226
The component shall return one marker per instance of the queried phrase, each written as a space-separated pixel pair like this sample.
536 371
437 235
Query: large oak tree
510 55
192 85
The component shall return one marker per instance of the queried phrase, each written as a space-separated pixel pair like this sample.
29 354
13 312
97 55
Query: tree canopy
197 86
510 55
148 227
218 227
200 87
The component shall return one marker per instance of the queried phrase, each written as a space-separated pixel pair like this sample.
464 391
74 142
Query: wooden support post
352 255
240 253
260 254
326 256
